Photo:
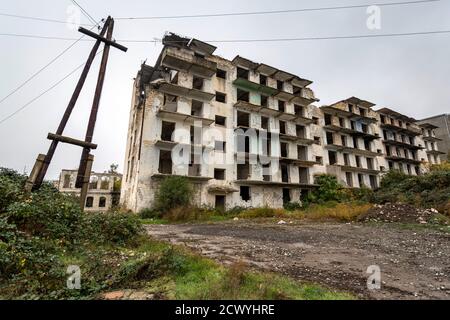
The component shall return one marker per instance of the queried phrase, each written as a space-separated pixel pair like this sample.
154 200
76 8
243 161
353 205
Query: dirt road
415 264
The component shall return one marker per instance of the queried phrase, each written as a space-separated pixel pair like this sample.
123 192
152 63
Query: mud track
415 264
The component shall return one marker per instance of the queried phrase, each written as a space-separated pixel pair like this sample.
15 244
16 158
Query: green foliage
149 213
11 187
292 206
173 192
328 189
115 227
48 213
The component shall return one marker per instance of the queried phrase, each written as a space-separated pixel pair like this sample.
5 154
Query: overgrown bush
264 212
149 213
112 227
11 187
173 192
188 213
292 206
328 189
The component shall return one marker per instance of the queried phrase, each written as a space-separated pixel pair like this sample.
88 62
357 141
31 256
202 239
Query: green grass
177 273
154 221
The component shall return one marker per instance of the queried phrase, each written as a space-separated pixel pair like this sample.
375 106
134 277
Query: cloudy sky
409 73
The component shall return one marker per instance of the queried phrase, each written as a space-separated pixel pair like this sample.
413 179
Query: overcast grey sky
409 74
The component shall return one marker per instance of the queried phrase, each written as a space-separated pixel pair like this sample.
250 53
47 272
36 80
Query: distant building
103 193
438 129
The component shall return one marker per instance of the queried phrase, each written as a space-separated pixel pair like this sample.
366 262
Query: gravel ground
415 264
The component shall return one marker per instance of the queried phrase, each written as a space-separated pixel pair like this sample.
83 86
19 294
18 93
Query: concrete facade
103 193
438 128
244 133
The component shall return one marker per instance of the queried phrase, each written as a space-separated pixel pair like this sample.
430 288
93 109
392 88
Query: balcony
177 90
402 159
431 139
218 186
435 152
276 184
393 142
159 176
408 130
351 169
353 132
174 59
356 151
176 116
347 114
250 107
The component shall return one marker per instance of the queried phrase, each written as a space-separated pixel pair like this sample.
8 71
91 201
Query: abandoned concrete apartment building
257 128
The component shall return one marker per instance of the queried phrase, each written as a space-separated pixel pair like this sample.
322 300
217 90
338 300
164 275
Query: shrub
188 213
149 213
234 211
11 187
328 189
292 206
112 227
173 192
48 213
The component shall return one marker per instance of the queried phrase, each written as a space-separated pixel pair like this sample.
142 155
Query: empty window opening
391 165
286 195
244 192
221 121
364 128
319 160
219 174
363 112
197 108
355 143
243 171
299 111
317 140
373 182
93 183
332 157
280 85
174 76
89 202
242 73
303 175
315 120
165 162
350 108
284 149
266 146
66 181
264 101
194 169
221 97
197 83
199 55
267 176
383 119
284 173
353 125
243 119
264 123
330 139
281 106
282 127
263 80
327 119
170 103
220 146
370 164
300 131
349 179
361 180
367 145
220 202
222 74
243 95
343 140
297 90
102 202
342 122
417 170
302 153
346 159
358 161
104 183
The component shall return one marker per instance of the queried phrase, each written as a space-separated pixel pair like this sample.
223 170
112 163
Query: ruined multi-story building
437 131
244 133
103 191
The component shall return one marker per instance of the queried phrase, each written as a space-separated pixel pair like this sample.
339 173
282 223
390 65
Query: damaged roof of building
396 114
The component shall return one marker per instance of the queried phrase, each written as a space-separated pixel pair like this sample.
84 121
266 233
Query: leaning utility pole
43 161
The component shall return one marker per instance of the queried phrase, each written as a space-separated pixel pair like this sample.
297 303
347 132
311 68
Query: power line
43 93
43 68
40 19
250 40
275 11
86 13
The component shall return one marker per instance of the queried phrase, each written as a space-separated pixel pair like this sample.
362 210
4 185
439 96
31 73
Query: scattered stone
114 295
282 222
403 213
236 219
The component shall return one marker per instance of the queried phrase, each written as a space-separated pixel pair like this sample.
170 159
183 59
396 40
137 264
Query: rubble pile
394 212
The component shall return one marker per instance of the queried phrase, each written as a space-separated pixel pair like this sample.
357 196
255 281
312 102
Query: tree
113 168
